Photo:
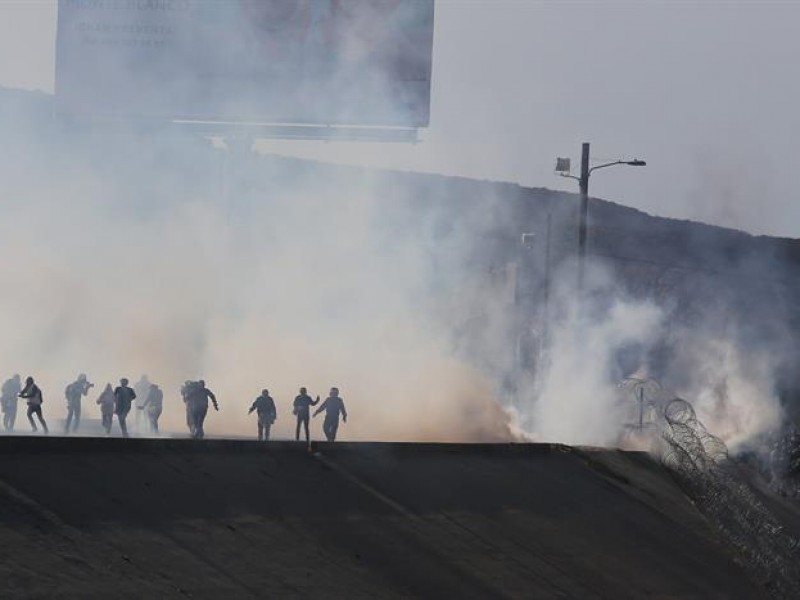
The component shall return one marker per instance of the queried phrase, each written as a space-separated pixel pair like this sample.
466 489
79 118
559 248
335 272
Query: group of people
117 401
148 399
333 405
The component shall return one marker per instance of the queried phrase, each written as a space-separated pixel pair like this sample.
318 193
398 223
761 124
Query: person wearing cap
33 395
73 393
301 409
333 407
264 406
123 399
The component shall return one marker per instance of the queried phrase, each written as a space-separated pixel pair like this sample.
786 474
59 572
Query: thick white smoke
299 279
579 401
135 253
596 342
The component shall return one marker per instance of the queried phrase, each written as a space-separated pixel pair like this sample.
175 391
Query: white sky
707 92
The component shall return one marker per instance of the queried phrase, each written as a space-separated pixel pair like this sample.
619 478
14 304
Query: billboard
317 62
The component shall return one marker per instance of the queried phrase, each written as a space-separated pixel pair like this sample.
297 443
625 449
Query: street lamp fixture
563 169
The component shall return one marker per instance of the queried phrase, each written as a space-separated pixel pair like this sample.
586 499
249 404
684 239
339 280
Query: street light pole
562 168
583 216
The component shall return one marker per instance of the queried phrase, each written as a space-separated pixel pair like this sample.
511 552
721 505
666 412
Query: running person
33 395
333 406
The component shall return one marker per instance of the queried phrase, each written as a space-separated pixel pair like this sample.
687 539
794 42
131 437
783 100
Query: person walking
106 401
33 395
141 388
123 399
9 398
153 406
264 406
333 407
73 393
301 410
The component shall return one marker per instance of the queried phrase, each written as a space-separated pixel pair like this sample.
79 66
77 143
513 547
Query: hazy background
705 92
134 255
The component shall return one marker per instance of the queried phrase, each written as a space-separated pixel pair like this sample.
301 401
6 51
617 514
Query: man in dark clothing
302 404
75 390
123 398
264 406
332 406
199 395
153 406
33 395
9 399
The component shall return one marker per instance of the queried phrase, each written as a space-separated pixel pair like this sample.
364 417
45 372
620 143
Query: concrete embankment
112 518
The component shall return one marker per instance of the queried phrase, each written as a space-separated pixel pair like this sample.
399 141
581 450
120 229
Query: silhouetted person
141 388
199 396
33 395
264 406
123 399
153 406
106 401
333 406
9 398
186 389
302 404
74 392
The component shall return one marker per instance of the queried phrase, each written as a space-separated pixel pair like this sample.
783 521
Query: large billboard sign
317 62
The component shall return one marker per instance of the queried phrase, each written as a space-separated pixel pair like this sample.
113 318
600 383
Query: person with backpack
123 399
264 406
33 395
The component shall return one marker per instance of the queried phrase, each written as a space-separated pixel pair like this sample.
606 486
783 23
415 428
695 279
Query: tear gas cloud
298 287
131 253
169 257
729 376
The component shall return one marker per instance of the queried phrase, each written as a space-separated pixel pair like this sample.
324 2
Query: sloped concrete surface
112 518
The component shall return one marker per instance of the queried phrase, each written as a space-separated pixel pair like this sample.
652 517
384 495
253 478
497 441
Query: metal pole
641 408
584 213
545 328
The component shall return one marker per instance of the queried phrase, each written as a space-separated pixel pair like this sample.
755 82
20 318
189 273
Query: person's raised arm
321 408
315 402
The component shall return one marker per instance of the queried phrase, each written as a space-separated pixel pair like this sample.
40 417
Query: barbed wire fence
703 468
